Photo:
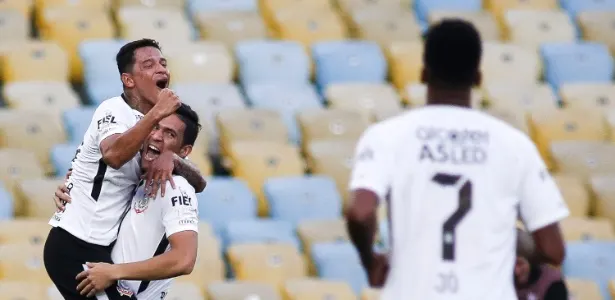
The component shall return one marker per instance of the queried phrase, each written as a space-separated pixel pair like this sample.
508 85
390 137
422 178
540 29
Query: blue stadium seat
592 260
76 122
6 204
260 231
224 200
272 61
576 62
424 7
287 99
348 61
196 6
340 261
574 7
301 198
62 156
101 78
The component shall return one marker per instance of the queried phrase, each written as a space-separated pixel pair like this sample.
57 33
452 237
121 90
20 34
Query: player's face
149 73
168 135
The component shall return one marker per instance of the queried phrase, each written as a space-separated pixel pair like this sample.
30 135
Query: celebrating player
455 180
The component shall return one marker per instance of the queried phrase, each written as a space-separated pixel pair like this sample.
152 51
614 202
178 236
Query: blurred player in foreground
455 180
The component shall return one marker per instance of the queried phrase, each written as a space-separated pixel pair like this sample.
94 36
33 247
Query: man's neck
455 97
135 102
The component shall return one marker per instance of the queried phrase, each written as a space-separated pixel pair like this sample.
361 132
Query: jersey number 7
464 197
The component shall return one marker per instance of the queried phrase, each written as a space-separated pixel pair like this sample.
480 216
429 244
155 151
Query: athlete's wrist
117 272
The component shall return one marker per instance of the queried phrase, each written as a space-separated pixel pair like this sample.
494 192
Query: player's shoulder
113 104
181 185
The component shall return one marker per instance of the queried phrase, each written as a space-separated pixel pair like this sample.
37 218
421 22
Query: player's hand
168 103
95 279
160 171
378 271
70 171
61 197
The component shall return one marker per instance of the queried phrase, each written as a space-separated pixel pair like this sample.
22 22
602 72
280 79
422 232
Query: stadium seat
425 7
76 122
269 7
242 290
167 26
224 200
35 61
209 266
352 5
348 61
16 165
520 97
312 288
603 189
330 124
340 261
250 125
231 27
510 64
36 130
276 16
14 26
307 29
576 62
23 7
45 18
51 96
600 96
406 63
374 101
6 203
370 294
35 194
573 7
272 61
530 28
164 4
222 5
548 126
300 198
515 118
416 95
260 231
583 289
575 194
591 260
583 158
597 26
24 232
334 159
200 62
184 290
385 24
100 74
200 157
587 229
23 263
321 231
500 7
23 290
484 22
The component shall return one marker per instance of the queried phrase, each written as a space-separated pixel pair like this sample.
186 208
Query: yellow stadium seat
184 291
332 158
209 265
35 60
612 288
405 63
500 7
527 98
52 96
270 8
256 161
510 64
328 124
370 294
583 158
100 5
416 95
575 194
250 125
36 130
17 165
532 28
516 118
242 290
314 289
306 29
231 27
372 100
23 262
35 194
163 4
14 26
610 121
200 62
484 22
169 27
583 228
600 96
200 158
583 289
22 290
603 188
597 26
547 126
349 6
24 231
320 231
267 263
22 6
385 25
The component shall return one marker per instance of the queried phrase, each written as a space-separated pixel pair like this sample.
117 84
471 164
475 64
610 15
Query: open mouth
162 83
151 153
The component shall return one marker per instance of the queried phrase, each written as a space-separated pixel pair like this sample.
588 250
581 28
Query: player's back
454 196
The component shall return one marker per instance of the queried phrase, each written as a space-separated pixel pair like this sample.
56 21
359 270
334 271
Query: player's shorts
65 257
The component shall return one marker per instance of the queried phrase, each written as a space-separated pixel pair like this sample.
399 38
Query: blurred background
284 89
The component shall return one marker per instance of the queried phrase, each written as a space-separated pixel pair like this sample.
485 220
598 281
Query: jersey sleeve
541 202
180 208
110 119
372 163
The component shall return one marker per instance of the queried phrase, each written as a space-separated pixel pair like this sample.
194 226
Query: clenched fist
168 103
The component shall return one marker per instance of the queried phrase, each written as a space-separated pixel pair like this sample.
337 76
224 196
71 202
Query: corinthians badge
141 204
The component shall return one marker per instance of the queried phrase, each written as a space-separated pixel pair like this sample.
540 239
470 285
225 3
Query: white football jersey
100 194
455 180
146 227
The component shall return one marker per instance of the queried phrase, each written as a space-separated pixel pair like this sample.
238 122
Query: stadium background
284 89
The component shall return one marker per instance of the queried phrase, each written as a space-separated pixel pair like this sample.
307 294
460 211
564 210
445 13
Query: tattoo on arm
190 171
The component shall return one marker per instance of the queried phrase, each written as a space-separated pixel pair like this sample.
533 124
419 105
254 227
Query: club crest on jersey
141 204
123 289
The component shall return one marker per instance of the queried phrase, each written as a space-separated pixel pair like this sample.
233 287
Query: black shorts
64 257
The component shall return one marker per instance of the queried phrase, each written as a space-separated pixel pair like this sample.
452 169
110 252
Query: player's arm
541 207
191 172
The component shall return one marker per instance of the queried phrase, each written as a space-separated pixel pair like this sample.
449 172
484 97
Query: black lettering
426 153
181 200
174 200
108 119
443 156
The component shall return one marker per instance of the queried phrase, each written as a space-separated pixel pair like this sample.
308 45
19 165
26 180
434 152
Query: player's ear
127 80
424 76
185 151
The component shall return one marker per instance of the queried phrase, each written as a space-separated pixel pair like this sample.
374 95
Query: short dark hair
125 58
191 120
453 50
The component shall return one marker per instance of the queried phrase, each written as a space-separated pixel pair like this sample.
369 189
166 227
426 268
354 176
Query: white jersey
455 180
100 194
145 229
